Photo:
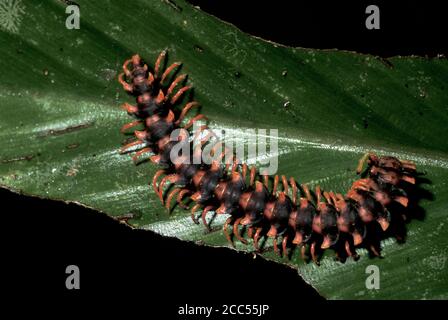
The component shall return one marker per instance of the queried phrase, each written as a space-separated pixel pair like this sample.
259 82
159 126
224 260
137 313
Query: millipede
259 206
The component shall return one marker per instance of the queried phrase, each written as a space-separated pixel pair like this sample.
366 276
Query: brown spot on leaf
73 146
57 132
20 158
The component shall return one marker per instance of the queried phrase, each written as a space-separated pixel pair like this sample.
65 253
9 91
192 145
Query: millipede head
136 60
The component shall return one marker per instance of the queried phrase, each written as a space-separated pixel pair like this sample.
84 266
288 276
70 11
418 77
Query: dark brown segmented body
253 202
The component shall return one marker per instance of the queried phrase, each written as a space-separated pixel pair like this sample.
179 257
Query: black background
142 271
406 27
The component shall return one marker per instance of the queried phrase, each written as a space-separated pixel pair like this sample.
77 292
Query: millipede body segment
259 206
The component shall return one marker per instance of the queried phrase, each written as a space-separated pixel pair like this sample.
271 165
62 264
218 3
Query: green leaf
60 120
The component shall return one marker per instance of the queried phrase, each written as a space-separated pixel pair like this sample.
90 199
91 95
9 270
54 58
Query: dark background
406 27
134 267
137 270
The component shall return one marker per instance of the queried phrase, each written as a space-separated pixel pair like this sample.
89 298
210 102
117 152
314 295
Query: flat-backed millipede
275 207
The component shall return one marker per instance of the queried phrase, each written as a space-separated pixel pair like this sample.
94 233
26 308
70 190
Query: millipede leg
155 158
125 148
150 78
193 210
357 238
352 250
402 200
175 82
333 198
257 238
141 134
215 147
170 197
225 157
252 175
160 97
129 108
375 252
179 94
318 194
294 190
232 162
284 243
180 196
193 120
158 61
408 179
383 223
185 110
250 232
327 197
226 232
307 192
198 132
285 184
125 68
408 165
130 125
274 240
196 196
168 70
172 178
347 248
360 184
126 86
244 171
204 215
236 231
266 180
313 253
234 166
154 180
302 252
274 188
139 153
339 197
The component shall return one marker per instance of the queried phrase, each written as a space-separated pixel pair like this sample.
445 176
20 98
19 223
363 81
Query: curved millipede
259 206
